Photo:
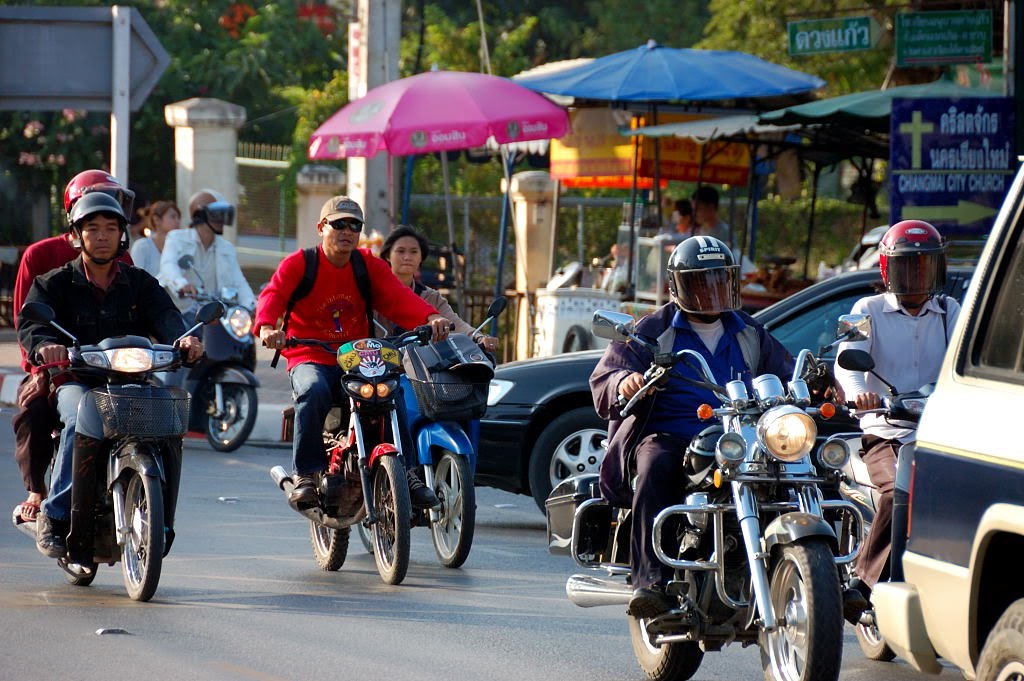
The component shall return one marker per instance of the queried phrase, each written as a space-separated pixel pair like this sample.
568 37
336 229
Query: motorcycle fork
356 428
750 526
218 400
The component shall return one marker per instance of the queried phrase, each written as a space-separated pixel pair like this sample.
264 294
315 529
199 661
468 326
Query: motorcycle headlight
497 390
130 360
787 432
730 450
238 322
360 389
834 453
386 388
96 359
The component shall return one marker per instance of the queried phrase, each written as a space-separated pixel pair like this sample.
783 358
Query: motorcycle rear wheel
394 513
808 644
872 644
143 549
453 531
330 547
230 432
669 662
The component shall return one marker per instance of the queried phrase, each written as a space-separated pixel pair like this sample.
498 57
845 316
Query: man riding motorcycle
911 324
93 297
648 445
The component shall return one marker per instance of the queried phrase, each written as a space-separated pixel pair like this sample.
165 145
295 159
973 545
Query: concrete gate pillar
205 144
314 184
532 195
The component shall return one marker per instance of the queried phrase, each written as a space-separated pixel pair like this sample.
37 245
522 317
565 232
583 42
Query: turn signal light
827 410
718 478
704 412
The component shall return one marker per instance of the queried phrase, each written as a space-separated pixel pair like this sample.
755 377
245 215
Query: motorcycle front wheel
393 509
231 429
808 643
143 548
453 531
330 547
669 662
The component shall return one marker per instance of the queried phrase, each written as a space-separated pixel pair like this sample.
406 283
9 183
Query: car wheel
572 444
1002 658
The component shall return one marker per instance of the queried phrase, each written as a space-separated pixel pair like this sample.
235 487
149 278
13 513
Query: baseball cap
341 207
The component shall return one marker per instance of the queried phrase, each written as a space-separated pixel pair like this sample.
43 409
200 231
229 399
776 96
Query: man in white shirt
214 260
911 324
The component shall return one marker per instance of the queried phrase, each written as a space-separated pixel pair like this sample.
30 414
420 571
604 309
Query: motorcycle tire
803 579
240 407
76 578
330 547
453 531
143 549
394 512
669 662
872 644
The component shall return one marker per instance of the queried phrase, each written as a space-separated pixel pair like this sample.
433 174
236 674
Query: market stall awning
866 110
712 128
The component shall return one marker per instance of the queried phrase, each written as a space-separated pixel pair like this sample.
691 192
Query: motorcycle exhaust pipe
588 591
314 513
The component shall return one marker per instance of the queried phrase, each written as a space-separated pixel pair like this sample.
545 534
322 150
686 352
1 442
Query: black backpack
312 260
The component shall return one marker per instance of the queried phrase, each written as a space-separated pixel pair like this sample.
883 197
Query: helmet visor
125 197
707 291
220 213
916 273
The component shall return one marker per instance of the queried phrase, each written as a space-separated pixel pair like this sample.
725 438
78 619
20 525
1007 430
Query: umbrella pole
456 270
630 287
810 221
657 167
507 161
752 209
410 162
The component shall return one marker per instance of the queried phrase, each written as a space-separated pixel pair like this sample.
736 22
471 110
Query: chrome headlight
730 450
237 322
497 390
786 432
834 453
130 360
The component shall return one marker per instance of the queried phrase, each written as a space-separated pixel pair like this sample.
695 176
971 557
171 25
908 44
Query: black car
541 426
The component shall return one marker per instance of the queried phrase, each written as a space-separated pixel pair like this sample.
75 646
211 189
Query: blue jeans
76 407
315 389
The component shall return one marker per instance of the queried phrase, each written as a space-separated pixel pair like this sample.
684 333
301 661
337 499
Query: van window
999 346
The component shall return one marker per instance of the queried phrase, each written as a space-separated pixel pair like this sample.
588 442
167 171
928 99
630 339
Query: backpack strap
311 257
362 276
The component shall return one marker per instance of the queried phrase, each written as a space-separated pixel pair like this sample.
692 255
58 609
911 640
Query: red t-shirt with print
334 311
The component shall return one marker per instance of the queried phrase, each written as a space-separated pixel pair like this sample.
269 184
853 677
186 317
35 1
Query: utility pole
373 60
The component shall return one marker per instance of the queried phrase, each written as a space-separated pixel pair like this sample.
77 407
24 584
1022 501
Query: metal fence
265 208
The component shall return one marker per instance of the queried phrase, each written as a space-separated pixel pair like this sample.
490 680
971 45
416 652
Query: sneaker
51 536
304 492
422 497
649 602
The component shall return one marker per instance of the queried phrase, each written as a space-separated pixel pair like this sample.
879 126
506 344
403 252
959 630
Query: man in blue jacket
650 443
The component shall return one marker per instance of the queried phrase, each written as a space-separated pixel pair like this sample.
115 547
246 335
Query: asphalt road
240 598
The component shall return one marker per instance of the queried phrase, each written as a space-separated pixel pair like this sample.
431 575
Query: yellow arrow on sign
964 212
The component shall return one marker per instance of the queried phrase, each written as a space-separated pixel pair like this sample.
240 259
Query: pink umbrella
437 111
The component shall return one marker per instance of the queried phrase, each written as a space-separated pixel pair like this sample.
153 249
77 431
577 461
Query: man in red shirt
333 311
36 417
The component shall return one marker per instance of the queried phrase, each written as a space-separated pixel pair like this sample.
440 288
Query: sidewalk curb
267 428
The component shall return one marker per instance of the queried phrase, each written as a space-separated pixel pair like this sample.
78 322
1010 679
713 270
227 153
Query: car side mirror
610 325
854 327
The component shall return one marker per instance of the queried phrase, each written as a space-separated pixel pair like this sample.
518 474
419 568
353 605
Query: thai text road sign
841 34
951 161
924 38
54 58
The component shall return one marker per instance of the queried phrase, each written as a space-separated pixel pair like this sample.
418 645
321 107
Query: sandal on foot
27 511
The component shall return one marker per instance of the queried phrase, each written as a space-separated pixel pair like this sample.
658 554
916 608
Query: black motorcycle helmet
97 203
703 276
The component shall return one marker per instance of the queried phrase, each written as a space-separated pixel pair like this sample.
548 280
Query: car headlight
238 322
834 453
130 360
497 390
787 432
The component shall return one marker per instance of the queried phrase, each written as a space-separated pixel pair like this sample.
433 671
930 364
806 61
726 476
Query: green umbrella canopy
869 110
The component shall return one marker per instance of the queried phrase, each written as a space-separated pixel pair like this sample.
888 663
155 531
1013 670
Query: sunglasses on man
345 223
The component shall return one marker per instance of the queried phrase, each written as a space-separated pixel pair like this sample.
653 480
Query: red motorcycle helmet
912 258
97 181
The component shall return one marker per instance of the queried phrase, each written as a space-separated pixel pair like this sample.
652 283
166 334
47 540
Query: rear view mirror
185 262
497 306
855 360
614 326
40 313
210 312
854 327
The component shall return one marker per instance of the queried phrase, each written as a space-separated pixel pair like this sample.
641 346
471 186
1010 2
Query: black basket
450 401
142 410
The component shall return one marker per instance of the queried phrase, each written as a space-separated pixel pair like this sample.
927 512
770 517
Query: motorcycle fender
792 527
446 435
233 374
383 449
136 457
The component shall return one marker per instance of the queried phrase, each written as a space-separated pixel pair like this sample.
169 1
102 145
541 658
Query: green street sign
841 34
929 38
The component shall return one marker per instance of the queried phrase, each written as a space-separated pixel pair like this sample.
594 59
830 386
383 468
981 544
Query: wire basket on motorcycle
449 378
142 410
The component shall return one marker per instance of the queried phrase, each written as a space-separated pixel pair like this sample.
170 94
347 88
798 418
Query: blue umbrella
653 73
